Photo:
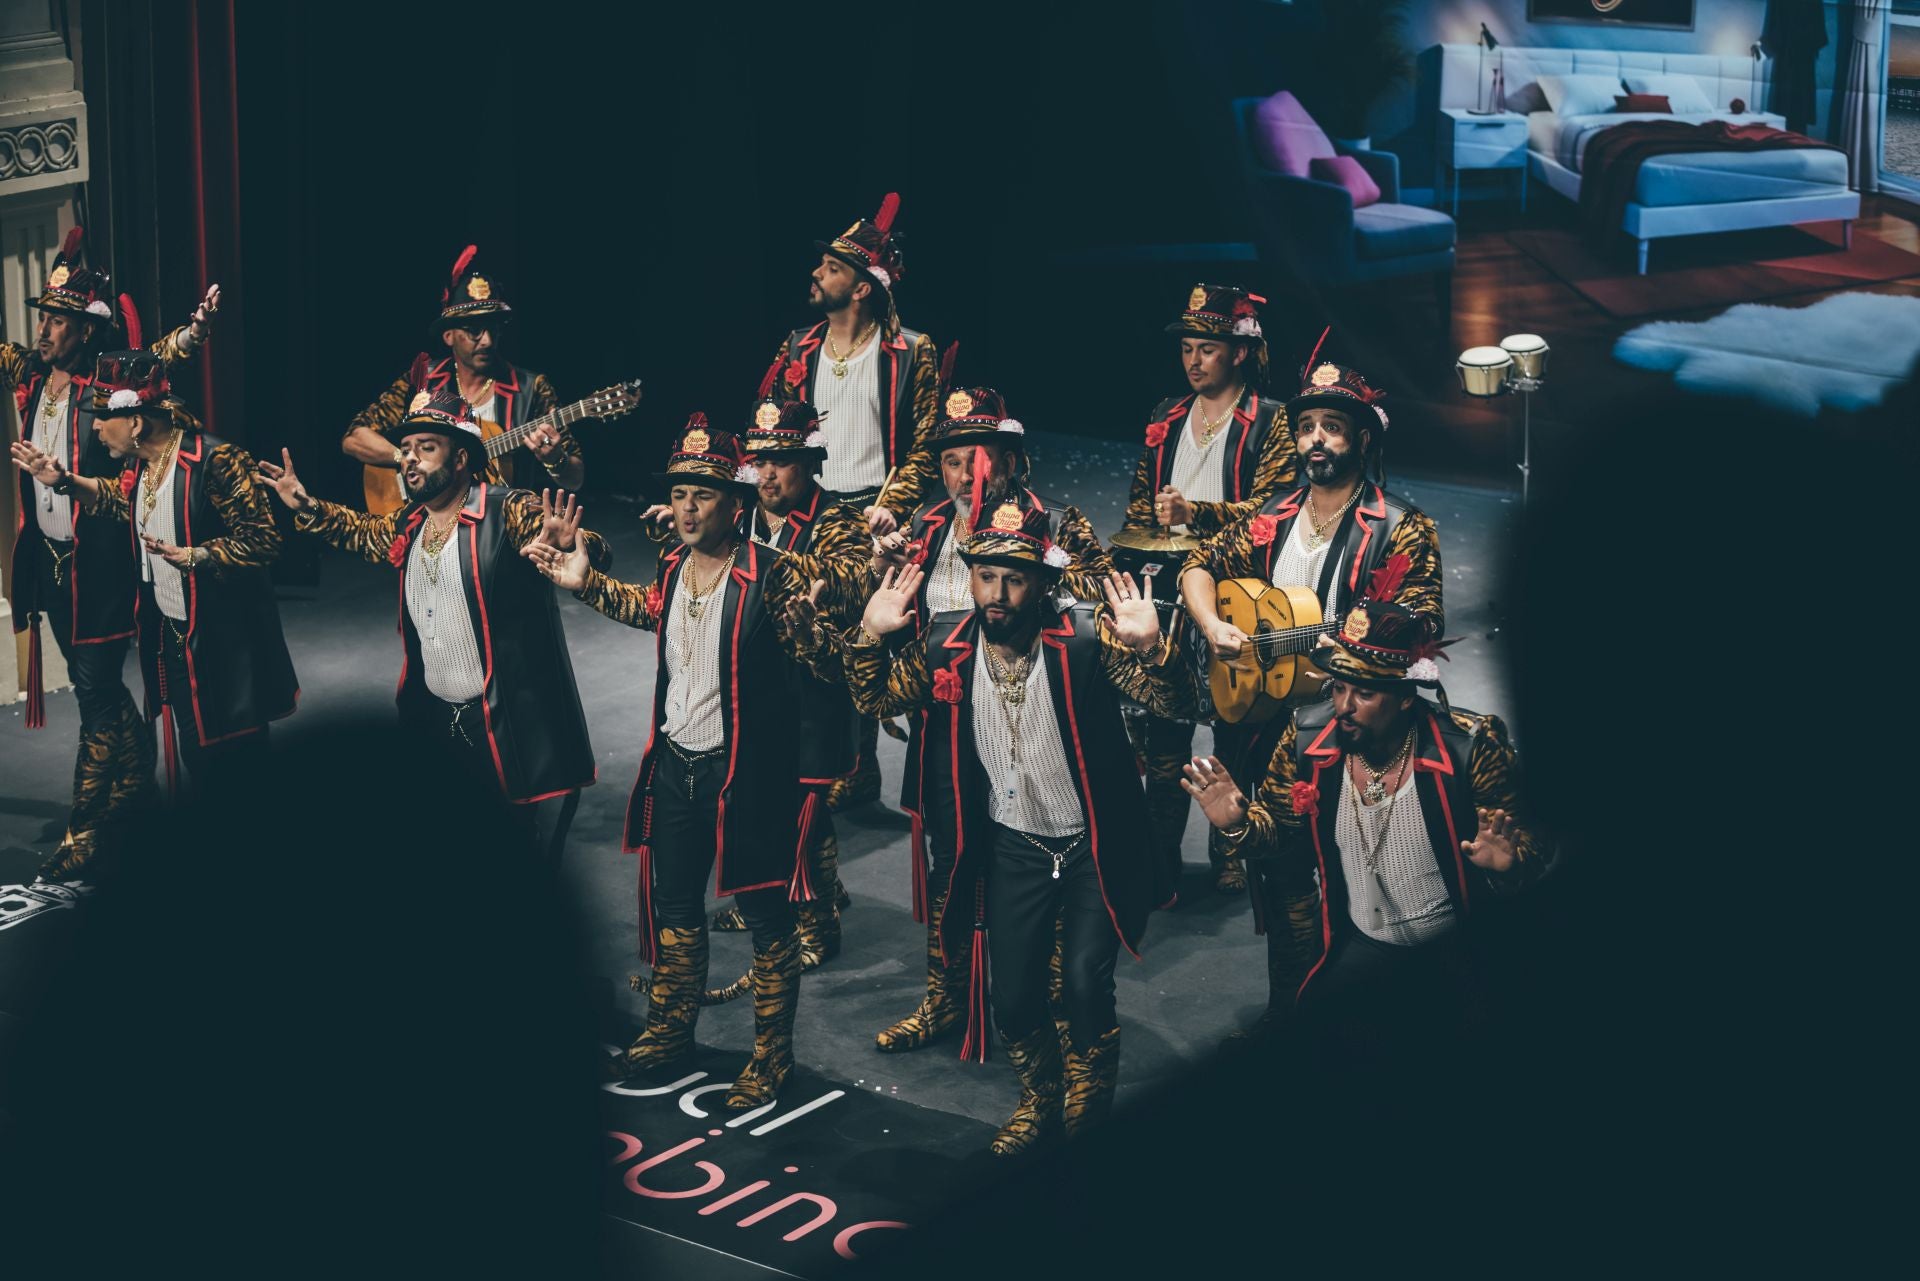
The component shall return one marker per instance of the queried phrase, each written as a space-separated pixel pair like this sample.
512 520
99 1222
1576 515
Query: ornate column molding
43 117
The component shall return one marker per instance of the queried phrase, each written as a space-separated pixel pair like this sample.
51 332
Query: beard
830 301
432 484
1009 630
1333 469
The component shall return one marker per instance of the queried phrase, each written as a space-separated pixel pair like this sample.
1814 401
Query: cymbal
1156 539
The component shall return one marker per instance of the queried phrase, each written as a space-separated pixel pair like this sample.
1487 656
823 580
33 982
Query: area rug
1844 352
1688 272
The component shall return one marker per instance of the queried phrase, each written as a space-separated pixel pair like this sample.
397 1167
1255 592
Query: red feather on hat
1315 354
1387 579
71 245
460 263
696 419
981 466
773 373
946 365
130 321
888 208
417 375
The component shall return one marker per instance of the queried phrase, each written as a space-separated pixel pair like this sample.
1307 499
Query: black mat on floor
834 1171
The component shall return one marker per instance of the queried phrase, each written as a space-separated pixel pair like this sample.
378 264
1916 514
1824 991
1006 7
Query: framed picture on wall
1674 15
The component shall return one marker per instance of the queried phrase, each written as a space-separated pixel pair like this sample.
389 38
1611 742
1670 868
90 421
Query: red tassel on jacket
649 943
36 684
975 1045
800 889
773 374
919 870
171 745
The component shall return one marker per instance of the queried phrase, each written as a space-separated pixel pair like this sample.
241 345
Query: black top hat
789 430
470 296
708 456
1381 644
871 247
127 382
1325 385
1227 313
73 289
1017 538
976 416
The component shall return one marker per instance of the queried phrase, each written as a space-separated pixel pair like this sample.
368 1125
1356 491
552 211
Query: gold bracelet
1235 833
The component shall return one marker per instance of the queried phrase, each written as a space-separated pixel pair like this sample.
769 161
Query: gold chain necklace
154 478
50 407
1010 684
1208 430
696 594
1375 790
1317 535
833 350
433 540
482 397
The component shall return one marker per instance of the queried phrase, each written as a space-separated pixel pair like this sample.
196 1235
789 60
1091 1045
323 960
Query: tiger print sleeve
1494 770
1277 467
359 534
1272 821
106 500
884 684
1151 679
784 391
176 347
13 367
622 602
1090 564
1140 494
919 471
838 555
523 526
1417 536
810 644
1229 553
252 540
386 411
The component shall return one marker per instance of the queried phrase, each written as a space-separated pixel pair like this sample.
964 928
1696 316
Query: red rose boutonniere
1156 435
946 686
1305 798
397 551
651 600
796 374
21 395
1262 529
127 482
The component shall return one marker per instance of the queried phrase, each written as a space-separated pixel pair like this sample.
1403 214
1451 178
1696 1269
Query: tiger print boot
776 998
820 919
1036 1118
673 1005
944 1006
1057 985
1091 1076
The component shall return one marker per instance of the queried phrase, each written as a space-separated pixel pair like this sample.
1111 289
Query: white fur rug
1845 352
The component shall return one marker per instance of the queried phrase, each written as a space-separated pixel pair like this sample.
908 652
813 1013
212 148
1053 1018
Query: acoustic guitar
386 492
1272 673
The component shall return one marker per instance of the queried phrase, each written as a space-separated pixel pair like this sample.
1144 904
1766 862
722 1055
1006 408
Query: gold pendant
1375 792
1314 541
693 607
839 369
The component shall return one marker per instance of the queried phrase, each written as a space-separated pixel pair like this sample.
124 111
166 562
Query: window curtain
1861 95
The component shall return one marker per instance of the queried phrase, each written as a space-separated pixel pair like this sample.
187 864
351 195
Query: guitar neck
513 438
1293 640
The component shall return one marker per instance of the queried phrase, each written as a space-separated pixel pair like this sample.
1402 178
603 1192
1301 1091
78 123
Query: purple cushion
1346 171
1285 138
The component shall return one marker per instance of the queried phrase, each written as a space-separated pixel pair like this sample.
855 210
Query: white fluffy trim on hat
1247 327
1383 417
125 398
816 440
1424 669
98 308
747 474
1057 557
882 275
1013 425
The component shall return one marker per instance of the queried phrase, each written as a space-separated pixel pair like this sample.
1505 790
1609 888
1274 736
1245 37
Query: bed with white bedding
1687 194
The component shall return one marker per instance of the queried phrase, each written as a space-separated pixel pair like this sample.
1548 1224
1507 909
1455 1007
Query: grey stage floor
1202 972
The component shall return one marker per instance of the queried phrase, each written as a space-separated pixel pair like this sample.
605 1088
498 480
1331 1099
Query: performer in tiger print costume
76 568
718 793
984 462
795 515
1330 533
211 650
486 676
1211 456
875 386
1387 820
473 325
1024 716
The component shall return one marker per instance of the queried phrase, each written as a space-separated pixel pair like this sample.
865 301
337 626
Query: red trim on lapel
1240 454
1056 637
1444 766
400 623
671 561
1366 535
1326 899
953 756
510 383
486 638
1318 747
893 403
183 508
811 339
1160 450
439 373
733 730
1289 508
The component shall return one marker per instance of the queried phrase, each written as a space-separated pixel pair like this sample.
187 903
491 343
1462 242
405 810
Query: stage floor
1201 976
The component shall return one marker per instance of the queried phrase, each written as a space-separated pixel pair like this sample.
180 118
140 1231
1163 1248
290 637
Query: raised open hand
282 481
560 514
1492 846
37 463
1221 799
566 569
1136 623
891 607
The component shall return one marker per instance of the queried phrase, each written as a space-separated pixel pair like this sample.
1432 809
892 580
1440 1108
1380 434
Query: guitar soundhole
1267 654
